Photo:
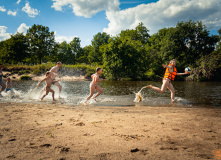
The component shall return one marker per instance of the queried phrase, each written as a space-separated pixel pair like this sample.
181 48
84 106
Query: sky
85 18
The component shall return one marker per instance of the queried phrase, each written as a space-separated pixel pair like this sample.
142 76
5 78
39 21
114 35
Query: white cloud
12 13
60 38
30 11
2 9
18 1
87 8
23 28
3 34
165 13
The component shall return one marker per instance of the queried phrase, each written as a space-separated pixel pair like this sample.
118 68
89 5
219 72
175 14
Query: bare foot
41 99
149 86
54 100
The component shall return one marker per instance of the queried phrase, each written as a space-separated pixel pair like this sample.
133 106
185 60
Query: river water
121 93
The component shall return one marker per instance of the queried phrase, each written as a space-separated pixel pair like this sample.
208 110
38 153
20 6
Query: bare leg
172 90
92 88
51 90
59 87
3 86
47 91
43 89
99 89
163 87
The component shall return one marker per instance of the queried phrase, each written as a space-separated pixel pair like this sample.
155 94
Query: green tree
98 40
140 33
75 46
124 58
14 50
41 42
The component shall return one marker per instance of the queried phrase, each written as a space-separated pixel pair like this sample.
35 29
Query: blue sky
69 18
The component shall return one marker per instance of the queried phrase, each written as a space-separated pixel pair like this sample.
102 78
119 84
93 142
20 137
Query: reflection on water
122 93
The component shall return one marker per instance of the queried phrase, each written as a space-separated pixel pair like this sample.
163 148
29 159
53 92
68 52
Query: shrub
25 77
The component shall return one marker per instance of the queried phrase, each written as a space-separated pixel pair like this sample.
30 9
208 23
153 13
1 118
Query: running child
169 76
94 86
54 73
49 82
1 81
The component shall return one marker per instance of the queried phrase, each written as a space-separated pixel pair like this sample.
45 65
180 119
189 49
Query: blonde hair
172 60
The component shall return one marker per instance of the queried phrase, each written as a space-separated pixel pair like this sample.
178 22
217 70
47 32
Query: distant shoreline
17 77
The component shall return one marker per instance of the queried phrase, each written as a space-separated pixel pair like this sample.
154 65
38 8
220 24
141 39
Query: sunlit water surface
121 93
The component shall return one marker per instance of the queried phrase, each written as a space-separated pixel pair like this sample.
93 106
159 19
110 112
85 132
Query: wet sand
53 131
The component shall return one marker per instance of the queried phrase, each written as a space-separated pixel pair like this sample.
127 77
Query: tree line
132 54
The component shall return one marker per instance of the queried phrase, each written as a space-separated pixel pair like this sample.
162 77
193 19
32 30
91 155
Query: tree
124 58
140 33
193 40
98 40
14 50
75 46
41 42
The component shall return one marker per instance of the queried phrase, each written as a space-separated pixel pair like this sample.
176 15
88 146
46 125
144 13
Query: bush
206 68
26 77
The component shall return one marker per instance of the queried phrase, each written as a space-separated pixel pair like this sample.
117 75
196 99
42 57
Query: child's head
98 70
8 79
173 62
48 74
59 64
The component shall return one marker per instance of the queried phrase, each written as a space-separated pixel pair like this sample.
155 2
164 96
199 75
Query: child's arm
97 79
166 66
181 74
55 81
41 82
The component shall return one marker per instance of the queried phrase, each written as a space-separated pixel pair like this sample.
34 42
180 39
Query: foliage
41 42
132 54
25 77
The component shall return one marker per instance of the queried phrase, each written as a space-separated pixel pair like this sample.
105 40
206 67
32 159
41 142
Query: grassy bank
38 69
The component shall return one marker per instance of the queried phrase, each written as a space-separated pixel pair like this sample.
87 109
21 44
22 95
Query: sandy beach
59 132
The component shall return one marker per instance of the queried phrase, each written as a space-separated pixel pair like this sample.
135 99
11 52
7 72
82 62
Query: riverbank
17 77
50 131
37 72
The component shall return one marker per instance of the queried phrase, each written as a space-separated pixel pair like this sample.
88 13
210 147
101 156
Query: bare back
54 71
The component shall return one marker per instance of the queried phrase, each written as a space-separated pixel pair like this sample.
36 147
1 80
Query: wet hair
58 63
8 78
98 69
47 73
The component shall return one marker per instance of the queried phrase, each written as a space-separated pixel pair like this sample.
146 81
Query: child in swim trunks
94 86
49 82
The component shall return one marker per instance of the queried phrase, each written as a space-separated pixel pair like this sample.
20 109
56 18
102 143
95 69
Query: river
122 93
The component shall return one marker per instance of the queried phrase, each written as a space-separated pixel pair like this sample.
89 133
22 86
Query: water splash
139 97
